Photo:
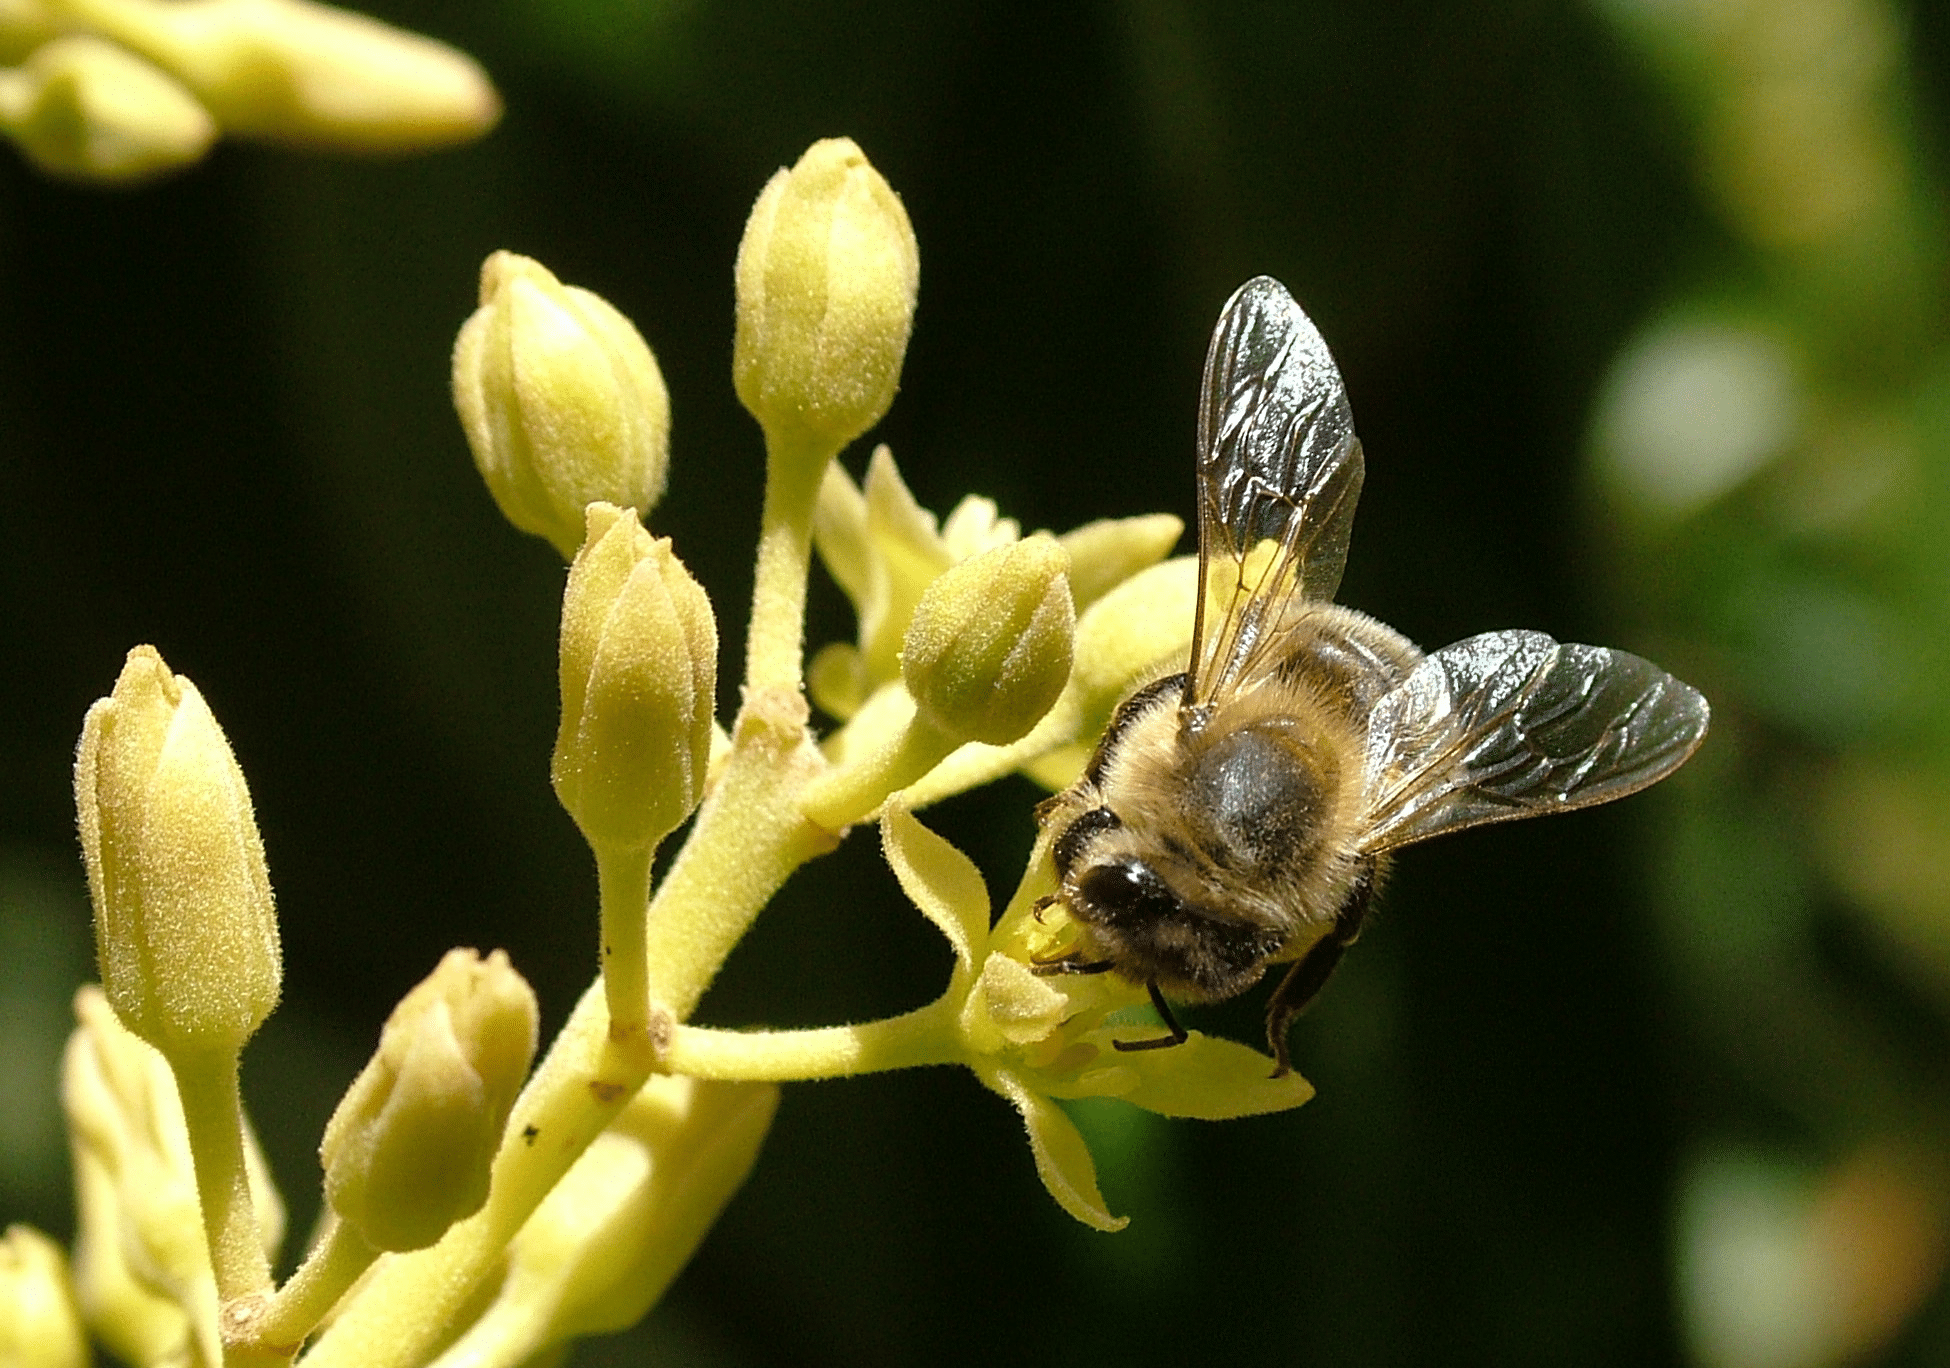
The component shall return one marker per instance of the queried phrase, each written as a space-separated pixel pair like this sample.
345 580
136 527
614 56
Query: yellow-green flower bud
89 110
989 648
142 1270
408 1150
827 275
184 926
561 399
304 73
39 1326
639 679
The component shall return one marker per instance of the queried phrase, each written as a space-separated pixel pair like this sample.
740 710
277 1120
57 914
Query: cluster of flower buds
980 651
122 90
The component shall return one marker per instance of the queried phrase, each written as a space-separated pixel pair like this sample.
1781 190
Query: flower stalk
213 1109
775 646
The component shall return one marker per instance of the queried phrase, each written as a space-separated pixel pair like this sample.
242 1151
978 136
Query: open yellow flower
1035 1040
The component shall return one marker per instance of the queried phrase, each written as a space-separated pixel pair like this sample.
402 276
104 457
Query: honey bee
1240 814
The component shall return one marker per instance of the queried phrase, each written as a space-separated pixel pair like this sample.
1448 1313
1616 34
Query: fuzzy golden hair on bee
1240 815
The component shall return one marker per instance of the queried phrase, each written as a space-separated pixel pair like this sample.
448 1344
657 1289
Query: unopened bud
142 1269
827 275
989 648
561 400
89 110
184 926
39 1325
304 73
639 680
408 1150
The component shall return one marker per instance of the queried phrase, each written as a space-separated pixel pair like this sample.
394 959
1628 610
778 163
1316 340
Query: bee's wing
1512 724
1279 470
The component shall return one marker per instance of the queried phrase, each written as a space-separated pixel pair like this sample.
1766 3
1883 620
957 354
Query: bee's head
1150 933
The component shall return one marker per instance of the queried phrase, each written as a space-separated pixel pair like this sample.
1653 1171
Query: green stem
775 646
623 884
926 1035
510 1331
282 1320
851 792
749 838
214 1111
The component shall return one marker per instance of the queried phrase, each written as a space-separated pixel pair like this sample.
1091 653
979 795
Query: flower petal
908 553
974 526
939 880
1011 1005
840 534
1211 1079
1062 1159
1105 553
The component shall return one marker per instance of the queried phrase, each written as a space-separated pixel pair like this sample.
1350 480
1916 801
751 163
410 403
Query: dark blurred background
1640 306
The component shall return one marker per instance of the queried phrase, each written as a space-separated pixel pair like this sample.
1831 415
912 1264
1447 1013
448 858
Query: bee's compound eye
1127 894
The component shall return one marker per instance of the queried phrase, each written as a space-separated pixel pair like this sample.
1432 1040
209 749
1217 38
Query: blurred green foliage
1564 1049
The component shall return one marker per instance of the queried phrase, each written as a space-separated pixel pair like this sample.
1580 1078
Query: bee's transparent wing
1279 471
1512 724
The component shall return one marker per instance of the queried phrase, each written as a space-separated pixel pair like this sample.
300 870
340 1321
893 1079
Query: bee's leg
1044 904
1066 963
1311 971
1178 1035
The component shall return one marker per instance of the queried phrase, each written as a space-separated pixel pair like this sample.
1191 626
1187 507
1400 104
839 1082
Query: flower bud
134 1321
561 399
39 1326
639 680
142 1269
827 274
408 1150
90 110
184 926
989 648
304 73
